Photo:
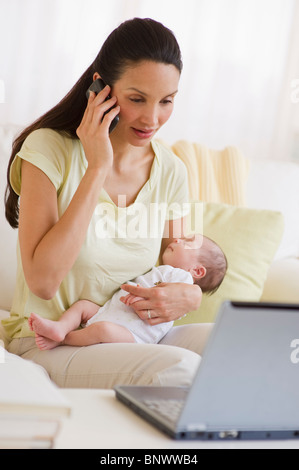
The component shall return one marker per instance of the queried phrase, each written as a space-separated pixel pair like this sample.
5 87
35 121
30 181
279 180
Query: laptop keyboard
169 409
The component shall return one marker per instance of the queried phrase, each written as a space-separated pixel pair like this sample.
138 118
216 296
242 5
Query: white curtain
236 79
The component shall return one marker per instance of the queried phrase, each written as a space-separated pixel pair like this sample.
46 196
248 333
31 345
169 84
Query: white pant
106 365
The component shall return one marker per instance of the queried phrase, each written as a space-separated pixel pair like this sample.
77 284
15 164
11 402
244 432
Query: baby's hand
130 299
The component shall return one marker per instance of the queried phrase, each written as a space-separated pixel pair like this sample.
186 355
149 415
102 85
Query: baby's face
183 252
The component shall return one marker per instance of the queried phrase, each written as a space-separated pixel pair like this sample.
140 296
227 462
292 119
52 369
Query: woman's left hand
164 302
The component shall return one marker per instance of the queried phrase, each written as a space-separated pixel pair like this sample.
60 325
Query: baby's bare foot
45 343
47 328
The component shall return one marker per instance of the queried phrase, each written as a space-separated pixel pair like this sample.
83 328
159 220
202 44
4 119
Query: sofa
267 221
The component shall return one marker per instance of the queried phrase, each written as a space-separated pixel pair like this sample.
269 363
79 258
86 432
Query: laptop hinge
196 427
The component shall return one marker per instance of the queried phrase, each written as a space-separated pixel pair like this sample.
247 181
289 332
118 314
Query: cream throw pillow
249 239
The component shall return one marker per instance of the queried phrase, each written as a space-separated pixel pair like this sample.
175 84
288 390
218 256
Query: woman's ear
96 75
198 272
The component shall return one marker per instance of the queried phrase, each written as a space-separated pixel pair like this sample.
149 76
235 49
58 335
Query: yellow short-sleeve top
120 243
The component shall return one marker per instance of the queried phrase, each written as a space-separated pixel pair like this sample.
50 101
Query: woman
80 186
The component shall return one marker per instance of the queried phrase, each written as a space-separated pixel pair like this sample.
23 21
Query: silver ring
149 314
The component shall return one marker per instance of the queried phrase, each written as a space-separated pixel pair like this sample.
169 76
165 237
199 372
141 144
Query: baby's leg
80 311
99 332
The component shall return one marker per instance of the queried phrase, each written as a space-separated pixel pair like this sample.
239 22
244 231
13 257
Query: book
26 389
21 444
27 428
27 433
31 405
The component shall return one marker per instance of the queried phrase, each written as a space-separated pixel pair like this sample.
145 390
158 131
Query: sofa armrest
282 284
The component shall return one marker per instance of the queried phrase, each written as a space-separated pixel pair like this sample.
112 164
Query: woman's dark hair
132 42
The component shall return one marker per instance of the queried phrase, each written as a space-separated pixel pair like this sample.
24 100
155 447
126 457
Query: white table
100 421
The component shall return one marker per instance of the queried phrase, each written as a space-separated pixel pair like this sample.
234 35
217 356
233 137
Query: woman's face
145 94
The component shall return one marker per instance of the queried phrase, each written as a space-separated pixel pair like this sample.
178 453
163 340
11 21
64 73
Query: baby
196 259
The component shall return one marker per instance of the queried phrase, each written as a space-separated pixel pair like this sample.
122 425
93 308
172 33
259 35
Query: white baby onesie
116 312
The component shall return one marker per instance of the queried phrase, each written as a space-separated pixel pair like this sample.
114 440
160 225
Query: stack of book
31 406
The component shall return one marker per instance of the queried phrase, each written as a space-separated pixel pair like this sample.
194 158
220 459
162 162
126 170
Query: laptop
246 386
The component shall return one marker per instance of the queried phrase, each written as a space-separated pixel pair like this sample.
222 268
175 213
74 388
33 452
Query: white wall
235 81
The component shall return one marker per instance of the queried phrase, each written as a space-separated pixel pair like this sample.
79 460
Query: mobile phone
97 86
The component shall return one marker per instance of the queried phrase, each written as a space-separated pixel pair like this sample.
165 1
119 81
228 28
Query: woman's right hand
93 131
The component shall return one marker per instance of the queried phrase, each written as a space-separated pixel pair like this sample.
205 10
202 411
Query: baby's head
200 256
